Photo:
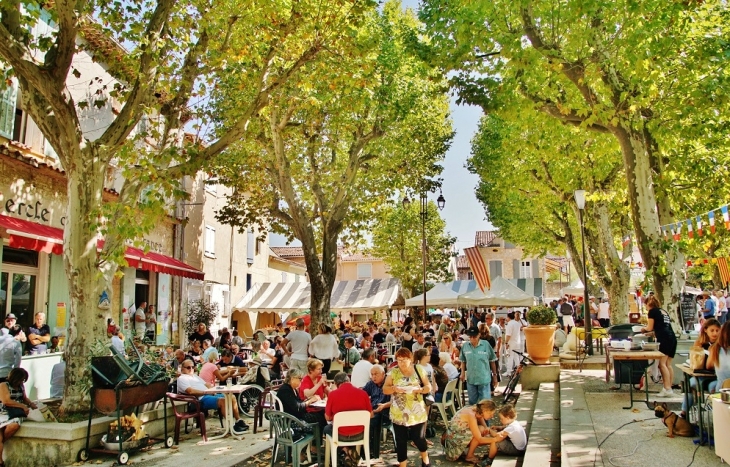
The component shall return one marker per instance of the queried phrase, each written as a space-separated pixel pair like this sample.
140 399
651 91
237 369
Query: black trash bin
628 372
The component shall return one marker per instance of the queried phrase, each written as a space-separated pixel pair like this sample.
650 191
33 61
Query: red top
345 398
307 384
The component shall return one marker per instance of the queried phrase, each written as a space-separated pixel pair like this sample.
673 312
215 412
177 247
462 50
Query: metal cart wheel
83 455
123 458
248 399
169 442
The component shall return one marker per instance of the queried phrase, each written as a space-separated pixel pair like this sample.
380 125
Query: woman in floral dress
468 430
407 383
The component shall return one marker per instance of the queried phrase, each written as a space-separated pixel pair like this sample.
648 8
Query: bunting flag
478 268
671 230
724 271
677 231
699 226
711 216
726 217
664 232
690 232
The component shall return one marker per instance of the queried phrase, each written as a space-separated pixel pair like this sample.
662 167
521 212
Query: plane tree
330 151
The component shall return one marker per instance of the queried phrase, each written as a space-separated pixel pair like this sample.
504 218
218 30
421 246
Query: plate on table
321 404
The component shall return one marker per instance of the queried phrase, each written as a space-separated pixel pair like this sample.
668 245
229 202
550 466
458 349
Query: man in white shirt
721 314
390 337
495 332
190 383
140 320
420 342
594 307
604 313
512 341
361 371
296 346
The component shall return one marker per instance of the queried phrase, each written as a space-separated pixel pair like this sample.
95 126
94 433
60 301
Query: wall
508 256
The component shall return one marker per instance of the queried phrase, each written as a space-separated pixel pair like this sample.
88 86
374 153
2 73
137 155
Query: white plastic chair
349 418
447 401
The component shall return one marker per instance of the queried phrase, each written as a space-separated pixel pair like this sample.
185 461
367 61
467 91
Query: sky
464 215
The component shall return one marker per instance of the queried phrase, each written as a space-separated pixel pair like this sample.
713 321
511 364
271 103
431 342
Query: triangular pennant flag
690 231
726 216
699 226
711 216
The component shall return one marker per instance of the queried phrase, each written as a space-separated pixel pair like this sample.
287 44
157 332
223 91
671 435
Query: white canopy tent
443 294
502 293
575 288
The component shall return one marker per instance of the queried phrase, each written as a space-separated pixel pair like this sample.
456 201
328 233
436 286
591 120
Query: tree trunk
617 275
321 278
663 263
85 190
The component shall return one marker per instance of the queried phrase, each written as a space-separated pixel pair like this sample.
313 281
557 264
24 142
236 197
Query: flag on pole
711 216
726 217
724 271
478 268
699 226
690 231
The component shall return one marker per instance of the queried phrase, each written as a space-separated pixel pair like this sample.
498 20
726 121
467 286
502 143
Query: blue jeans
711 387
478 392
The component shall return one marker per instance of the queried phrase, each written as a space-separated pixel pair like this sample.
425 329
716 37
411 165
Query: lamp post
580 201
440 202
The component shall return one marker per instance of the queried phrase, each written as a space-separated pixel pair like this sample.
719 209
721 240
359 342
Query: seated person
315 383
190 383
445 362
509 439
560 336
210 371
350 355
237 367
343 399
180 357
292 404
196 350
16 403
58 379
267 353
380 404
468 430
439 376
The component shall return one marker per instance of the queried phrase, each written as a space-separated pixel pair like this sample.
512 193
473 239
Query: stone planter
540 341
59 443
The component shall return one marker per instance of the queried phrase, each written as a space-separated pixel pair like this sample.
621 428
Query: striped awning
532 286
279 297
362 296
358 296
443 294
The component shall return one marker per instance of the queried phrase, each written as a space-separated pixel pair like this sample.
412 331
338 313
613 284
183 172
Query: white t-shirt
722 304
190 381
451 371
513 331
517 435
139 326
361 373
299 341
603 311
324 346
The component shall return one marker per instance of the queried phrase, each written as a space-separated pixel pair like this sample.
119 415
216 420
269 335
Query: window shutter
7 110
515 269
535 267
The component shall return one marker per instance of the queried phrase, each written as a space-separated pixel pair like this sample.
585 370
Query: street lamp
580 201
440 202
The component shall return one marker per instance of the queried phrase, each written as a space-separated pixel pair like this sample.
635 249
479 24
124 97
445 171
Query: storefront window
18 284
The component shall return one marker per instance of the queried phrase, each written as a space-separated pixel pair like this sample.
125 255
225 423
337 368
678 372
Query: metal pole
586 308
424 205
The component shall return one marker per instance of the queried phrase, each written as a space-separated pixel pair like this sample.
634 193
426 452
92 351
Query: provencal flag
478 268
723 269
711 216
726 216
699 226
690 231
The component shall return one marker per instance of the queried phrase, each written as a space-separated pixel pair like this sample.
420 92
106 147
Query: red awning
37 237
31 236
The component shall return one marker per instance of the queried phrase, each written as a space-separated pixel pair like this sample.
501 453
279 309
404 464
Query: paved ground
628 437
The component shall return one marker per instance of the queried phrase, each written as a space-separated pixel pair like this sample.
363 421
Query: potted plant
540 334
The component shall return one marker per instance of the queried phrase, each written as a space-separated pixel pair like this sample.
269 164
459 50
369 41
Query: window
365 271
250 246
8 99
210 241
211 184
495 268
526 269
470 276
249 281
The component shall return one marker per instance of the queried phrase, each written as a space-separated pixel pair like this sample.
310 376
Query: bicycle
514 378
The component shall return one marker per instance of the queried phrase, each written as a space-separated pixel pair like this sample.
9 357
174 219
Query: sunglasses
188 367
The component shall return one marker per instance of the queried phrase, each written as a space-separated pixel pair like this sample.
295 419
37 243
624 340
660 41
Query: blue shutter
7 110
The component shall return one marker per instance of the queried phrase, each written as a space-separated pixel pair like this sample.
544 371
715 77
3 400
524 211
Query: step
578 442
594 362
543 434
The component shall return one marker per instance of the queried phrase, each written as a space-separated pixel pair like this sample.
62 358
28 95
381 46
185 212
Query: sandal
471 460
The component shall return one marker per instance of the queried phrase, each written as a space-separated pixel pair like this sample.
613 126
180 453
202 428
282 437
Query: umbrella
307 319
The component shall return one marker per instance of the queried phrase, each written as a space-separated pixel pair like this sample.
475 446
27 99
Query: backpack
566 309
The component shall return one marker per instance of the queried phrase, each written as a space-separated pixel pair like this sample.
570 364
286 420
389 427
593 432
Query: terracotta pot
539 341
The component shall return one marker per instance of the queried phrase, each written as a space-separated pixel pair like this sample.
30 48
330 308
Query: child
511 438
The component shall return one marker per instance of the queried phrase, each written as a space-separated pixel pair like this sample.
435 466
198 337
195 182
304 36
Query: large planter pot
540 341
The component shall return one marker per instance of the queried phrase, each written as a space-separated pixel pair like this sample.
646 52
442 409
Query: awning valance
38 237
358 296
31 236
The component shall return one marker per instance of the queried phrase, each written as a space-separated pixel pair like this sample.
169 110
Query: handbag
697 358
428 399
